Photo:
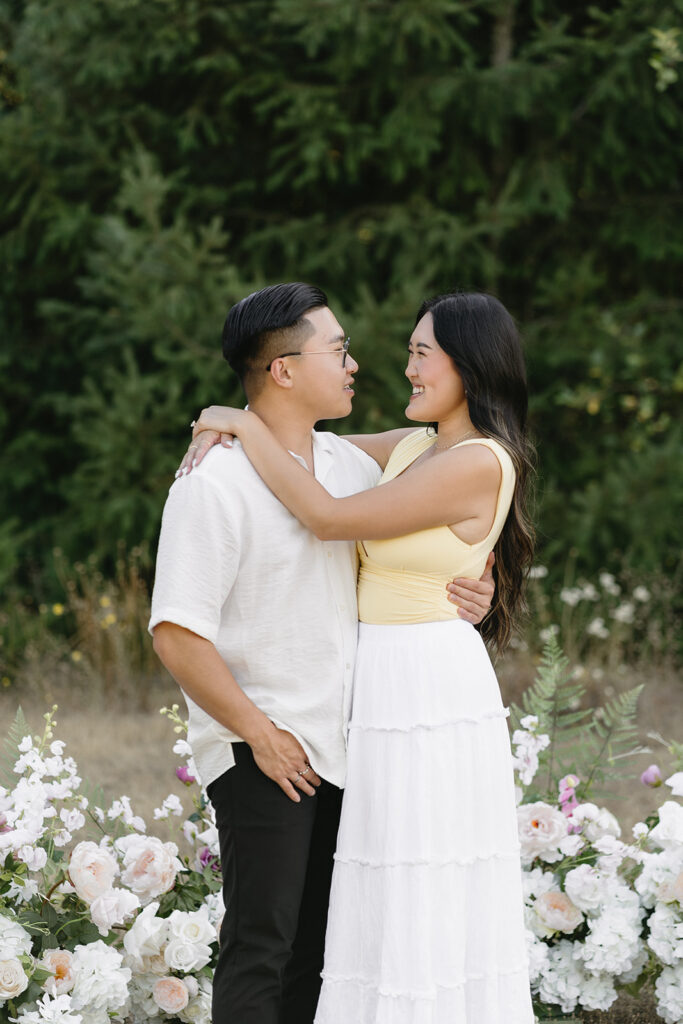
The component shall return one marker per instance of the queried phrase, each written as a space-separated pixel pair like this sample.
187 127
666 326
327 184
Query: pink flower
184 775
92 870
60 964
170 995
651 776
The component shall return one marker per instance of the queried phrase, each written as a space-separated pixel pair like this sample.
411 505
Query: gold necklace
445 447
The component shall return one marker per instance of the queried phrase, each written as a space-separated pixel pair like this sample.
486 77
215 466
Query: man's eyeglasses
318 352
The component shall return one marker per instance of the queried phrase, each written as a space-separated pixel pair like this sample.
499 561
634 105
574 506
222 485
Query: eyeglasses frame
317 352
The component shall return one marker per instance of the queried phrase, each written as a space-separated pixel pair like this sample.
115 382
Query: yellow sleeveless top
403 579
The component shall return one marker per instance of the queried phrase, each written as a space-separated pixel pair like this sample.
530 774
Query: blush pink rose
60 964
556 913
170 995
149 866
92 870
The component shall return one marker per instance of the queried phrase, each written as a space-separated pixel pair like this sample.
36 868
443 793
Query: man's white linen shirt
235 567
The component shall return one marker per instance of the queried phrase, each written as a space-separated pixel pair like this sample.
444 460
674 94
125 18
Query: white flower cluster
28 813
585 923
150 967
527 744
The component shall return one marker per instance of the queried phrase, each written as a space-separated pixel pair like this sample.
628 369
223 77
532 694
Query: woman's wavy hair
481 338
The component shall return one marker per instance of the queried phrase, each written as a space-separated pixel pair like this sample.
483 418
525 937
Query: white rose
59 962
586 887
13 979
669 830
111 908
144 941
170 995
192 926
556 913
541 828
198 1010
14 939
186 956
150 866
92 870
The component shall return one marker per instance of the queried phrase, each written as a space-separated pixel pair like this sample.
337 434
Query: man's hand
473 597
281 757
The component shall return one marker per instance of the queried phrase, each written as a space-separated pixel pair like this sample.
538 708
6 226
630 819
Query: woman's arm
379 446
447 489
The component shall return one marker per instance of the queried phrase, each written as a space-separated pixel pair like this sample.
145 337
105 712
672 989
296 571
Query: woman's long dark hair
481 338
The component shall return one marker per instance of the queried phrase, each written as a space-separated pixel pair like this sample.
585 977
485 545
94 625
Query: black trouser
276 858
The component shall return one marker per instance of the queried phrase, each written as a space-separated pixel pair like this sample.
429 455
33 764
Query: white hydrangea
563 979
669 993
537 956
102 979
666 934
598 991
661 877
613 942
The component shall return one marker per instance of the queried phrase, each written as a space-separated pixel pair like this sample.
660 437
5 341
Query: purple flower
208 859
4 827
184 775
567 787
651 776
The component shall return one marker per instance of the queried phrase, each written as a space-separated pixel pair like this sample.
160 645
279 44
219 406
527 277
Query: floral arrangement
601 913
101 922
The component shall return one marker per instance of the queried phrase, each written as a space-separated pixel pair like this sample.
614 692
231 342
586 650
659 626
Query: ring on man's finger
192 446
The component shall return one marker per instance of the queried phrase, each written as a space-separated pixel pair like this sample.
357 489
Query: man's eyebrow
338 339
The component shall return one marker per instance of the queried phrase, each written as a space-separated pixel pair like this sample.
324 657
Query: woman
425 923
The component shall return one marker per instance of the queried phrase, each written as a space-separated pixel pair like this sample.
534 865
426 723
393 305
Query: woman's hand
218 424
198 448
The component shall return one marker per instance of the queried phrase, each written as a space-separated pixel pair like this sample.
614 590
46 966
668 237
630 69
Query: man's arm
200 671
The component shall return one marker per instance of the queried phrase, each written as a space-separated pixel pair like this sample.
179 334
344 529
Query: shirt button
329 554
348 664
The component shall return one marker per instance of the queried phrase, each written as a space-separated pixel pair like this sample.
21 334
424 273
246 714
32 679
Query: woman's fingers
200 445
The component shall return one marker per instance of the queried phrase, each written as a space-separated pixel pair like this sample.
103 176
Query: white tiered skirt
426 923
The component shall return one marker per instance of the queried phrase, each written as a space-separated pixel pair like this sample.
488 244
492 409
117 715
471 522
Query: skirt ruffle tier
426 923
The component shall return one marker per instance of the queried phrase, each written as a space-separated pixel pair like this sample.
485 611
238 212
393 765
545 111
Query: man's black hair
269 314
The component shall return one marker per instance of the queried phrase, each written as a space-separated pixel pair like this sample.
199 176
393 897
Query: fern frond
10 749
612 730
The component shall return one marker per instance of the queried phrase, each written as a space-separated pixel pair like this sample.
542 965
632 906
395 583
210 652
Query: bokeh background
159 159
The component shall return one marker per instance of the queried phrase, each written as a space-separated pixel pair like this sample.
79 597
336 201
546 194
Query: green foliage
592 740
161 158
10 749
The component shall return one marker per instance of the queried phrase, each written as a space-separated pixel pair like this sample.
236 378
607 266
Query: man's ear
280 373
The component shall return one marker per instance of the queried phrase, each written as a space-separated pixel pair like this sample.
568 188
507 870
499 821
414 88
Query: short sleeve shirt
235 567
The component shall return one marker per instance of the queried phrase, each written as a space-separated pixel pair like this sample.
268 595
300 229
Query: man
256 620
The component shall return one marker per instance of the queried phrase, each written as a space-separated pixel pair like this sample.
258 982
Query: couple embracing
271 550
